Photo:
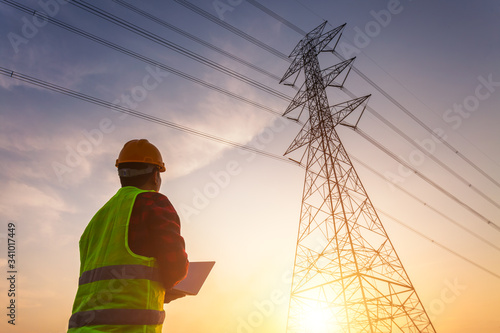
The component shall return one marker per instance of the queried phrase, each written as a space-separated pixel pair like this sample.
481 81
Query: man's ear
157 177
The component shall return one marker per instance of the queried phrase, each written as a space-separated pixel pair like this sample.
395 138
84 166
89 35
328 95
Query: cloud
216 115
17 197
29 149
38 213
63 155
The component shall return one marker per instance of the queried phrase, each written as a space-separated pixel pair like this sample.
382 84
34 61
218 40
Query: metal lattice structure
346 272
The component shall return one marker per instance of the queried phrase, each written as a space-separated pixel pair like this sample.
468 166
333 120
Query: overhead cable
159 121
179 73
233 29
276 16
385 94
439 244
132 112
426 204
148 60
100 12
194 38
36 13
421 123
138 56
426 152
429 108
292 26
432 183
164 42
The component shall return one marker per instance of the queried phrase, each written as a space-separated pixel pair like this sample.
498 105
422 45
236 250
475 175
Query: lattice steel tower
346 272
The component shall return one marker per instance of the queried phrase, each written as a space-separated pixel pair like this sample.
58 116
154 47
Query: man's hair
136 181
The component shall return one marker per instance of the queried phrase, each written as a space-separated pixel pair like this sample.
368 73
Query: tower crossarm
327 37
310 38
303 138
339 113
342 110
299 100
313 40
331 73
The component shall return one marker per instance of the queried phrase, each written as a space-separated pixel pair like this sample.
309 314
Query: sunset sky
439 60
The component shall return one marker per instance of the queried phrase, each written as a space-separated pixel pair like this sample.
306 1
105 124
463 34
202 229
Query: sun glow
317 319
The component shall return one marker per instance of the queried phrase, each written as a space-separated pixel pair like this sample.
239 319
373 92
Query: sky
438 60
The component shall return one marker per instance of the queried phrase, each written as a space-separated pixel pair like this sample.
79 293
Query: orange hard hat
141 151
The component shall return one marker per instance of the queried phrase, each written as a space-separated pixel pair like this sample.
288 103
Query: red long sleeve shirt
154 231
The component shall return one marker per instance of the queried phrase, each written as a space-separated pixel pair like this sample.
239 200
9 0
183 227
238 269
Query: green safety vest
118 290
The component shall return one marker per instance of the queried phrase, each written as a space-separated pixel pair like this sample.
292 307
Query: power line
123 50
233 29
26 9
170 69
439 244
163 42
94 100
136 55
426 152
196 39
310 10
421 123
389 97
435 185
435 210
132 112
291 25
276 16
99 13
150 61
428 107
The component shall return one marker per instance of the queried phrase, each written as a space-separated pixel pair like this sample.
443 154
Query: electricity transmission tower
346 274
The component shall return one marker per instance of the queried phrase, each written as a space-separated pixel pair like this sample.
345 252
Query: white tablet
196 276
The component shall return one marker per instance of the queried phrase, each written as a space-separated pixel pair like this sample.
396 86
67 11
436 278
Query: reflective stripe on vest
117 317
120 272
116 286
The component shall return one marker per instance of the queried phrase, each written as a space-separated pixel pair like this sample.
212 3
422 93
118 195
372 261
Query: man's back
123 279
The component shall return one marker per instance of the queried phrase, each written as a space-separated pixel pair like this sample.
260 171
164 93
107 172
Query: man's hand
172 294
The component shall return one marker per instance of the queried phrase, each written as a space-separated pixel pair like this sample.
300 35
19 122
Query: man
131 251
